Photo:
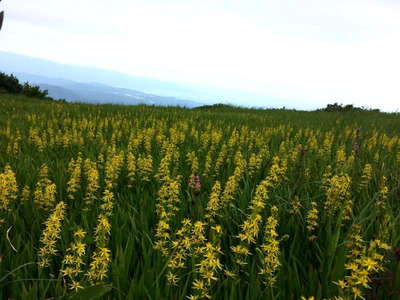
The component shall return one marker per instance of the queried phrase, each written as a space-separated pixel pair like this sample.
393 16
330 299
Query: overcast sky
317 51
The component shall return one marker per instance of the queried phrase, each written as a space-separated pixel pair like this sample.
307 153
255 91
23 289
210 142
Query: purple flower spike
195 183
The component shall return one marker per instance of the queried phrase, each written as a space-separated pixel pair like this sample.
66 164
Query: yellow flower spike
366 176
312 220
74 169
8 188
194 162
45 192
362 262
51 234
92 177
73 262
337 193
214 203
383 193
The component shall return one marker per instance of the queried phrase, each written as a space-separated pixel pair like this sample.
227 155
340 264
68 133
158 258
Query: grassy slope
137 270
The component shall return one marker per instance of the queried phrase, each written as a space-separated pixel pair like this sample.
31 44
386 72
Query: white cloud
319 51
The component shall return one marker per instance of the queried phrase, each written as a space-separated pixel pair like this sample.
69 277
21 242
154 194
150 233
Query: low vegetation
144 202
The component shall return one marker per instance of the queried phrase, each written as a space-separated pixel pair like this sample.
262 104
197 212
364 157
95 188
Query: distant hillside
219 107
17 63
99 93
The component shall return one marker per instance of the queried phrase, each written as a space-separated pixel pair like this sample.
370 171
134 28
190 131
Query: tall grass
226 203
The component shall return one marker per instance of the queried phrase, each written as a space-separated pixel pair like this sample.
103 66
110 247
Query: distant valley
99 93
95 85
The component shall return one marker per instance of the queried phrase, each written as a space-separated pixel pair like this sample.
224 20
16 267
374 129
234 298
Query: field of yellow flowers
170 203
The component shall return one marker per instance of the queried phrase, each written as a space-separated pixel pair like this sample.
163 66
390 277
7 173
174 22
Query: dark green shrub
10 83
33 91
335 107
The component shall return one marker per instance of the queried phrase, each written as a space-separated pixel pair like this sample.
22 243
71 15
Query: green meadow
219 202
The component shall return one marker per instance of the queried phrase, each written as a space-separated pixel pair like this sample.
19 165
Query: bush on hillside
11 84
33 91
345 108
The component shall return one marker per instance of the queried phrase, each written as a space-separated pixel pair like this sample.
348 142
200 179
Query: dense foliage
170 203
335 107
11 84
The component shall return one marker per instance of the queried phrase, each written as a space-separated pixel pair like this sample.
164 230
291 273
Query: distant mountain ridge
18 63
99 93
